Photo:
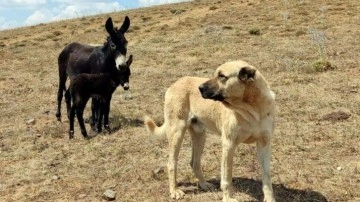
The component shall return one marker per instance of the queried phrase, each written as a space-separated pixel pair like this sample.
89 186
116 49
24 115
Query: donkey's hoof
93 128
98 130
58 116
87 137
71 135
107 128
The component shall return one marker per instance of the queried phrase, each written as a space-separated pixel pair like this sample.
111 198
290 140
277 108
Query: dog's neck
254 109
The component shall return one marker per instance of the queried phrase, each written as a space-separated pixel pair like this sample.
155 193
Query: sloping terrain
308 50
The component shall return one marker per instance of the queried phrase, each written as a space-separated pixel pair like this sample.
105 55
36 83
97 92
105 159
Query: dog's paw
206 186
269 200
229 200
177 194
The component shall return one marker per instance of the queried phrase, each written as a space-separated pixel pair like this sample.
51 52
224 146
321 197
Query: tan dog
244 113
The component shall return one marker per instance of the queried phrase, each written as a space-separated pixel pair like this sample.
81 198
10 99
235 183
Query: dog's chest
258 130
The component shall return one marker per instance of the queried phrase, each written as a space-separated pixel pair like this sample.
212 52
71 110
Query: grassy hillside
308 50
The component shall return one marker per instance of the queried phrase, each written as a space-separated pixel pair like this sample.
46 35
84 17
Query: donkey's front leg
98 125
79 114
106 115
95 108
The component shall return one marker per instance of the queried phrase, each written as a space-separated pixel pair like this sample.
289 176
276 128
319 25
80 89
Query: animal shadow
119 121
254 189
282 193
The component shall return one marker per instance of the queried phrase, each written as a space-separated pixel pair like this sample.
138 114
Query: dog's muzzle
209 93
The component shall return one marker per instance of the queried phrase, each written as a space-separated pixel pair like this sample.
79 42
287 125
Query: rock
54 177
339 168
127 96
81 196
109 195
158 173
158 170
30 122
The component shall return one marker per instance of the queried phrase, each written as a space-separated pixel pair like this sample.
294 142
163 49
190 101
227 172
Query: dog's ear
246 74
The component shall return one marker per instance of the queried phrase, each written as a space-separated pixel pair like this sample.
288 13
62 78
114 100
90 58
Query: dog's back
183 102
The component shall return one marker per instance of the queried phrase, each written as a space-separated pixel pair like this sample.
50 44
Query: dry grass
315 158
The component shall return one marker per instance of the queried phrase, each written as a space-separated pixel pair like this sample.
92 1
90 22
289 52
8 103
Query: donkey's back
74 59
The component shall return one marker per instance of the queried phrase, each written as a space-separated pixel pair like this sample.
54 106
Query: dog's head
230 82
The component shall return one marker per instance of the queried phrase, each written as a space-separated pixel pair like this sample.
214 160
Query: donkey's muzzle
126 86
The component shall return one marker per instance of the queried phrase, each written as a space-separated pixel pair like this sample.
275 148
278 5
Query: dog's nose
202 88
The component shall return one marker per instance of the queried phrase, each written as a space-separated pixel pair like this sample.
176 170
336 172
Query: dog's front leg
228 149
264 154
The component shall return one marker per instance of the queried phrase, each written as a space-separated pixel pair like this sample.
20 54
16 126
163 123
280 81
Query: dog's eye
222 77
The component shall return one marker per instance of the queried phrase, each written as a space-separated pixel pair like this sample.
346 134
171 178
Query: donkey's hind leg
62 87
68 102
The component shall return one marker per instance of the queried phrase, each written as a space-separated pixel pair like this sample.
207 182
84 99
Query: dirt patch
336 116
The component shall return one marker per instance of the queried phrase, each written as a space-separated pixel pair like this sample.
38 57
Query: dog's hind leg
175 134
198 138
264 153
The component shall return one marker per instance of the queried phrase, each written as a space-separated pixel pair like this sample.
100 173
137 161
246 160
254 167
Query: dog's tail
152 128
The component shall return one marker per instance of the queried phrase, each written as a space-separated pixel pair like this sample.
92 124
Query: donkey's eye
113 46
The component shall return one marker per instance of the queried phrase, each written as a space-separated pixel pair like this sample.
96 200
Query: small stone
109 195
81 196
30 122
127 96
55 177
158 170
339 168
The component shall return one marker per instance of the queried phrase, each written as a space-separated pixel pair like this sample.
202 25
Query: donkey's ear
109 26
125 26
129 61
246 74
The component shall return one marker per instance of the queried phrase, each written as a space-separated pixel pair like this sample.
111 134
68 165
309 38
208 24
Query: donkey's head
117 41
124 74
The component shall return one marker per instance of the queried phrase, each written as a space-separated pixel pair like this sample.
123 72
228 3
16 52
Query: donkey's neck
109 55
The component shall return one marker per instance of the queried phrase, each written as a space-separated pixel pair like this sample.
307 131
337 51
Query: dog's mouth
210 93
218 97
213 96
225 103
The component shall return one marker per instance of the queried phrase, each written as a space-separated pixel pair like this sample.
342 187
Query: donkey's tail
152 128
62 60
